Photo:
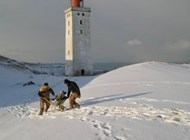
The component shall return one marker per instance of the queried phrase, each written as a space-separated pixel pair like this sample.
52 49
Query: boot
47 107
41 112
76 105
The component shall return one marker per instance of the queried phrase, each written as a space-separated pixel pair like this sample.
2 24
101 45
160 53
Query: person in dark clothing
44 93
74 90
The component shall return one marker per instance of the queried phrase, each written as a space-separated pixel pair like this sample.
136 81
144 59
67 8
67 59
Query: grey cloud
179 45
122 30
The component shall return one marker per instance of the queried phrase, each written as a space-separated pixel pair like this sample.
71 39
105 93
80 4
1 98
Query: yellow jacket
45 91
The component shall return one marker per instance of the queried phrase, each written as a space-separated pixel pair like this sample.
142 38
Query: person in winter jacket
44 93
74 90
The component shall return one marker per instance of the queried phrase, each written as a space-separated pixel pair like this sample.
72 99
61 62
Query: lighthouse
78 57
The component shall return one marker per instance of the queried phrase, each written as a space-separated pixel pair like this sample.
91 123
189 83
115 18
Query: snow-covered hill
49 69
143 101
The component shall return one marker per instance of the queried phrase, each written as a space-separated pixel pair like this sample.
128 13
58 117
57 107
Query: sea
104 67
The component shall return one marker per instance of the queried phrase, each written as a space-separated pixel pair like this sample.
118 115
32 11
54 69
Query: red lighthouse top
76 3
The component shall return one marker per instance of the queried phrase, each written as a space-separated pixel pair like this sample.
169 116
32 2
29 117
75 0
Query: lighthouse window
68 23
82 14
80 22
78 14
81 32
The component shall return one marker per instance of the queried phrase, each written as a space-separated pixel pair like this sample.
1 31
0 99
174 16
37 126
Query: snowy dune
51 69
142 101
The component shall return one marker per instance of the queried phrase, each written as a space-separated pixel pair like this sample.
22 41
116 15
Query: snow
143 101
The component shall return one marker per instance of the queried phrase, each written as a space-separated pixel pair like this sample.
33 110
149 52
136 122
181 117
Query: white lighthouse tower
78 57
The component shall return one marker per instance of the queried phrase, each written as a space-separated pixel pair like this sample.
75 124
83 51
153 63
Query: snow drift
142 101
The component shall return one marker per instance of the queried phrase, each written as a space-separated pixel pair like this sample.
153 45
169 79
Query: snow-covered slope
144 101
148 71
49 69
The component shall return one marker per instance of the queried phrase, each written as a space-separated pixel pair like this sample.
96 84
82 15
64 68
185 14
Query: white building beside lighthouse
78 57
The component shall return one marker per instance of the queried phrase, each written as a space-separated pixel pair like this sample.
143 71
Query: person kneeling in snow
44 93
59 100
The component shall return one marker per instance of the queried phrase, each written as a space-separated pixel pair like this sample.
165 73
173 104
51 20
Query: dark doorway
82 72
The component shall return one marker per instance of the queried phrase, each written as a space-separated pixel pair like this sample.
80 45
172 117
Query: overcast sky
121 30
